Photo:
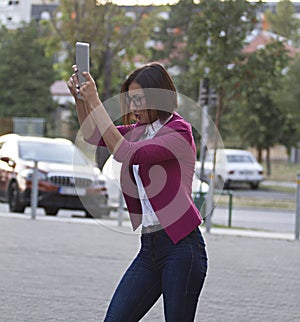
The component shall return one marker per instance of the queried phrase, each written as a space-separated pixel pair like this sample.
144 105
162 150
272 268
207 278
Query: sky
157 2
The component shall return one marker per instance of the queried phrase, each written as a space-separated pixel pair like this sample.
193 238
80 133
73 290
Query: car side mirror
9 161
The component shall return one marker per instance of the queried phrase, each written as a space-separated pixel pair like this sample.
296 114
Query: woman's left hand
73 83
88 91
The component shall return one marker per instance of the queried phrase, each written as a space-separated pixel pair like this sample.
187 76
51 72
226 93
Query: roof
265 37
60 88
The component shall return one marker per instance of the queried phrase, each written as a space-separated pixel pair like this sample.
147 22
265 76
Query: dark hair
160 104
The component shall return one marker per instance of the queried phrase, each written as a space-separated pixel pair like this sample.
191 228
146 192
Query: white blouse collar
153 128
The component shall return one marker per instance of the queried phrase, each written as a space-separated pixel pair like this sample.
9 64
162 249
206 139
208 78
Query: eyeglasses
137 100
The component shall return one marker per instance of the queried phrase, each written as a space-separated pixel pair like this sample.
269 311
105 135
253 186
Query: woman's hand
88 91
91 113
73 83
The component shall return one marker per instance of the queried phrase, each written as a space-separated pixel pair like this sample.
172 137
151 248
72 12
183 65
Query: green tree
26 74
283 22
217 38
287 99
174 34
263 121
116 39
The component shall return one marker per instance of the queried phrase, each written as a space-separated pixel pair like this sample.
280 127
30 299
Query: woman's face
136 101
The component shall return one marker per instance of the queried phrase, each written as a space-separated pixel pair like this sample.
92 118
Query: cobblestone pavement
66 270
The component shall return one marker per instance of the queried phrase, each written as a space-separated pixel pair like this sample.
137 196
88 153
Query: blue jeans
175 271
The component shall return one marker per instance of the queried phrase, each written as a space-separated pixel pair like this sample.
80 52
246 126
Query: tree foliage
210 35
259 79
283 22
287 98
215 34
174 35
218 35
26 74
116 39
258 103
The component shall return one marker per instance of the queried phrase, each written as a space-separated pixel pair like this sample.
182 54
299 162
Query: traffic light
207 95
213 96
204 91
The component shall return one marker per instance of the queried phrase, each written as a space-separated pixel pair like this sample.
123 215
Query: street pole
209 203
297 223
204 101
204 126
34 190
120 209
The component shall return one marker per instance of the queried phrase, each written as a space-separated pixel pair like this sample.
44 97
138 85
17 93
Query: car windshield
51 152
235 158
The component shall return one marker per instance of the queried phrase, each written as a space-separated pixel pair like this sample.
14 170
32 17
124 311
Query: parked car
67 179
234 166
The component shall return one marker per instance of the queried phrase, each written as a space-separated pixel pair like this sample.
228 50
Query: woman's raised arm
91 112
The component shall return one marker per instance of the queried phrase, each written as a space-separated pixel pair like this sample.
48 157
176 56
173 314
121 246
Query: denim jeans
175 271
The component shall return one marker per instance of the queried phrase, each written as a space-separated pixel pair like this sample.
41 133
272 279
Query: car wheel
88 214
97 213
227 185
15 204
254 185
51 211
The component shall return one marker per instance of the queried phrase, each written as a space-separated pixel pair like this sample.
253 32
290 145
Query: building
260 38
14 12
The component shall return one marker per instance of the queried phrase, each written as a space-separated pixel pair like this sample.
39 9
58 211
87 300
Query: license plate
246 172
72 191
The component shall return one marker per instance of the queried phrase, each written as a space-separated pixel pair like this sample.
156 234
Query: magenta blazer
166 167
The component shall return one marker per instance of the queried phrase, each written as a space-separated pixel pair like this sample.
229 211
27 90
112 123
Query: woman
158 156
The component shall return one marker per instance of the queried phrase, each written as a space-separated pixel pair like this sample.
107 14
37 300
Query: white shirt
149 217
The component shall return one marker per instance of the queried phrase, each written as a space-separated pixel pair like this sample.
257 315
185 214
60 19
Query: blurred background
238 59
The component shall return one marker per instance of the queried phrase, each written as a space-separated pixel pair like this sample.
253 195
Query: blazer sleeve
96 138
174 142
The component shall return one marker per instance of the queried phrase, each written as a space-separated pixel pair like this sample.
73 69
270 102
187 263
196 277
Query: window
43 151
239 158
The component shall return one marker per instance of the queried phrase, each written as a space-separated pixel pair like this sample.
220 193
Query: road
263 219
62 269
260 218
251 218
264 194
265 191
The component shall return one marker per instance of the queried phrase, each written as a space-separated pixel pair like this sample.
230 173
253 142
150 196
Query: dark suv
67 179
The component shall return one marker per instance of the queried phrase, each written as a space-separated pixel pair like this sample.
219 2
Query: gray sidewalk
58 269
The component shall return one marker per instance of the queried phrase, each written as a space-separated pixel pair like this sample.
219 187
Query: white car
234 166
66 178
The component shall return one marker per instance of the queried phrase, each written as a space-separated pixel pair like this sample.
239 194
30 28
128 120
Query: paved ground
66 270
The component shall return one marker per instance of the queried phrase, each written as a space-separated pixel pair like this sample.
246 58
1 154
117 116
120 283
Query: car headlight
27 174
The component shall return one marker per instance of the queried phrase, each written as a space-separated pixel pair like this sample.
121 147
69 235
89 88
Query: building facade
14 12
